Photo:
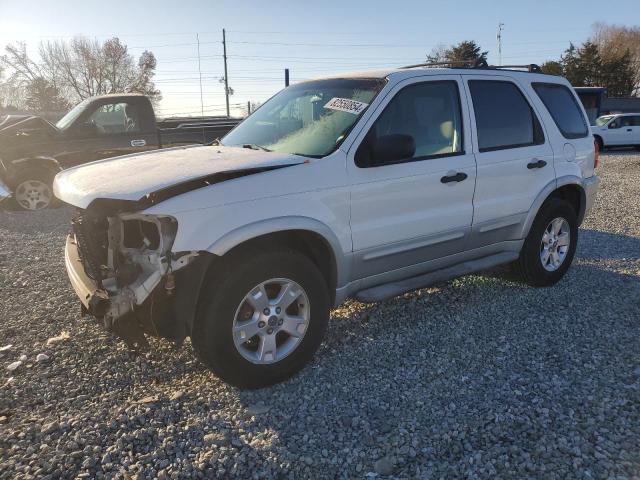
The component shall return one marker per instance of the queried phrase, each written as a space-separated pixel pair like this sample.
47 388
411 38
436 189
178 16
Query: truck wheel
34 190
550 246
262 318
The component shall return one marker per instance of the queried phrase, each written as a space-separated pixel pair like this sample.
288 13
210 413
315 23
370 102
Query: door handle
138 143
458 177
536 164
628 129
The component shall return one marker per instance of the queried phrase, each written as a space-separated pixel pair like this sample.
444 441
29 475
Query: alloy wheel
271 321
33 195
555 244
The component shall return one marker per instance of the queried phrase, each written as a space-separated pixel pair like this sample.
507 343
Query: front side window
116 118
563 109
72 115
600 121
504 118
309 119
427 112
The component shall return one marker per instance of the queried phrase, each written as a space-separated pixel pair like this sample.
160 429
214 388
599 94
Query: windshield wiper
255 146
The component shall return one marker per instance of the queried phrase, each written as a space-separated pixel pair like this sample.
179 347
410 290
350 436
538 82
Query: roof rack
479 64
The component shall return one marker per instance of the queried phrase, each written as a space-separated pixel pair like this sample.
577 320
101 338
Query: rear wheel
550 246
262 318
34 190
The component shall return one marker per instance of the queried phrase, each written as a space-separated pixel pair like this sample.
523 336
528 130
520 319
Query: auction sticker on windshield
346 105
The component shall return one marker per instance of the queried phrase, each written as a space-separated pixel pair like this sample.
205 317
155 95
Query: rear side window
504 118
636 121
563 108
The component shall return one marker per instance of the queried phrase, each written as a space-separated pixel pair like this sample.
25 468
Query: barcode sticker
346 105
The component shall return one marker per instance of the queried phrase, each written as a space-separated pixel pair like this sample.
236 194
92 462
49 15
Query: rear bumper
94 299
590 186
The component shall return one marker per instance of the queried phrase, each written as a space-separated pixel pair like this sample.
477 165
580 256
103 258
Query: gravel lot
481 377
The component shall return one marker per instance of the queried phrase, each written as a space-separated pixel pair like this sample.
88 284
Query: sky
312 39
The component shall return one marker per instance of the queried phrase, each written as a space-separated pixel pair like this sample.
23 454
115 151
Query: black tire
36 175
224 292
529 265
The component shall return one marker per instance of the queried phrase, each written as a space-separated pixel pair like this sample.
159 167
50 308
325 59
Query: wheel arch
47 164
599 140
308 236
568 188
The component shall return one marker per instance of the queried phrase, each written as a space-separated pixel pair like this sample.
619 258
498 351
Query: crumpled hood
142 176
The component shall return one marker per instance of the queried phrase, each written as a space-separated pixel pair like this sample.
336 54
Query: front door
419 208
620 131
113 129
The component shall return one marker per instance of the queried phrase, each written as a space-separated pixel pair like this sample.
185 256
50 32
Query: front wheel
262 318
551 244
34 190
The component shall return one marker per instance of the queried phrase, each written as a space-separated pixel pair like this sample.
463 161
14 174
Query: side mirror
392 148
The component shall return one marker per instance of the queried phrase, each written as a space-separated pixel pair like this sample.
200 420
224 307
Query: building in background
597 103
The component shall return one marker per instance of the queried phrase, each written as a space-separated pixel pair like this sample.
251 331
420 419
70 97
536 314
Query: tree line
66 72
610 58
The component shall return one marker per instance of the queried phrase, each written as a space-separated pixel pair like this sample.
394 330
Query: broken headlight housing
145 232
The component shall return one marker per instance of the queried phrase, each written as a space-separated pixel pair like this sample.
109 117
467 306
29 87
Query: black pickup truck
33 151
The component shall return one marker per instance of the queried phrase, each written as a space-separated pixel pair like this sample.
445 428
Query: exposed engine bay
129 258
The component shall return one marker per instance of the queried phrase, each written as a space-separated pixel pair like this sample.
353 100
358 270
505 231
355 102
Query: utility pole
200 74
248 107
286 77
500 27
226 80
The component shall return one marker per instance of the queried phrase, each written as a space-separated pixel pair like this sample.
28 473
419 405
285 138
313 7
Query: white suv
365 185
617 130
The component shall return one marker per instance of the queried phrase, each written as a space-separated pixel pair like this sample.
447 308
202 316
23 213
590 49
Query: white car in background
365 185
617 130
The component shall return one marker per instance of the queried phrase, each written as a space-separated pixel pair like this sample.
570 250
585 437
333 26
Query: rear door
419 208
515 160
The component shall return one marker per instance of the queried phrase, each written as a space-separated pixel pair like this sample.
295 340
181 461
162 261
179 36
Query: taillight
596 155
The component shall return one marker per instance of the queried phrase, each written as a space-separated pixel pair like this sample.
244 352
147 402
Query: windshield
600 121
309 119
71 116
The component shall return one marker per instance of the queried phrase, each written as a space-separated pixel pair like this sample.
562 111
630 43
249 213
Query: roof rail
478 63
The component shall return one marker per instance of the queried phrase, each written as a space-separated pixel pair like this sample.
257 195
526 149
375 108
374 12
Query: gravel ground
481 377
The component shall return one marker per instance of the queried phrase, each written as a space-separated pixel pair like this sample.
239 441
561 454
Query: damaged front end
124 272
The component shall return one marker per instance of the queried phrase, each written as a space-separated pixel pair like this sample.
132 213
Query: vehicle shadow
464 354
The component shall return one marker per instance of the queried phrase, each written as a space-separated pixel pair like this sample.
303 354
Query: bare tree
614 41
67 72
